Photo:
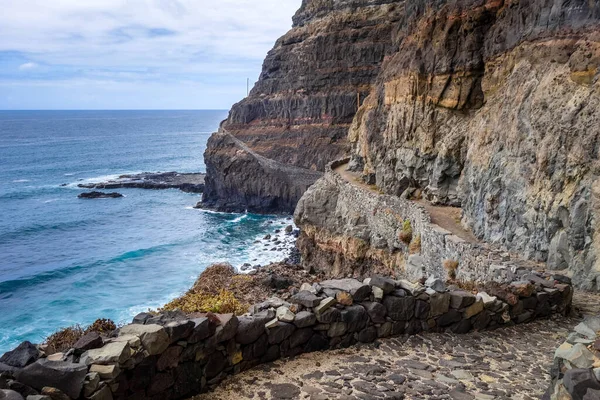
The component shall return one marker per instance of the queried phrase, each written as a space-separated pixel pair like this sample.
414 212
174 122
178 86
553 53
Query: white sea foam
261 252
21 180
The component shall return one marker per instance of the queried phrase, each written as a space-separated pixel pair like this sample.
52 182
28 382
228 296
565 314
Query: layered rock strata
299 111
173 355
493 106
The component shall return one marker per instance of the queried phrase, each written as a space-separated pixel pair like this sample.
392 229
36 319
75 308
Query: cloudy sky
134 54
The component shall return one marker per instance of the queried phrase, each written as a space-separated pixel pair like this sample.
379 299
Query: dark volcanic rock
192 183
89 341
64 376
296 119
99 195
23 355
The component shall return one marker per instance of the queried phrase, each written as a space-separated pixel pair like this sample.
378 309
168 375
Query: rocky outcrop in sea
186 182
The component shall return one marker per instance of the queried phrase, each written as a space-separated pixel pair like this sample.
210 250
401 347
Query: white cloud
165 40
26 66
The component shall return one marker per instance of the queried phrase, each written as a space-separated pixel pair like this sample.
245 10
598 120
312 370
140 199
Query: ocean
66 261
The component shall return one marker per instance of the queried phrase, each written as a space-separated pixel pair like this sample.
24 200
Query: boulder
579 381
329 316
91 384
284 314
105 372
324 305
154 337
89 341
68 377
449 318
179 329
358 290
337 329
439 303
436 284
305 319
376 311
461 299
386 284
141 318
473 309
6 394
202 329
110 353
280 332
300 336
23 355
368 335
227 325
250 328
399 308
580 357
306 299
355 317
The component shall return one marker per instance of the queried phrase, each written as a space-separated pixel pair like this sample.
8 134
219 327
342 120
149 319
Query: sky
135 54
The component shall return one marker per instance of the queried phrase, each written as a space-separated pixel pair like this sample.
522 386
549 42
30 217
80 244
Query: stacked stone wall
174 355
381 222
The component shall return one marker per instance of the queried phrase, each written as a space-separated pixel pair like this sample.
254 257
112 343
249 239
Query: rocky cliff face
493 106
299 112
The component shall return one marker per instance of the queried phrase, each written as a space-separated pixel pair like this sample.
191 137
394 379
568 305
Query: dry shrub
451 266
64 339
406 234
415 246
223 302
216 290
101 326
468 286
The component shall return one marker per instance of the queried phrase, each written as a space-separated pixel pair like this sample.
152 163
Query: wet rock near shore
190 183
100 195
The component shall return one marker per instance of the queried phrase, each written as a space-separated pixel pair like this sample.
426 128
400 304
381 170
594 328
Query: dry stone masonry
174 355
576 369
349 228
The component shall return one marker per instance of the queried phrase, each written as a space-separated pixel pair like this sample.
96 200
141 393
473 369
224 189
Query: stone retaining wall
576 369
354 211
173 355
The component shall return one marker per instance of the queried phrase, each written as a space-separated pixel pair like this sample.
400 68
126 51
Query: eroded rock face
299 112
492 106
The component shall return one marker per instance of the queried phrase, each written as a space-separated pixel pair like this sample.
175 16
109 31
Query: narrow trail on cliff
447 218
272 164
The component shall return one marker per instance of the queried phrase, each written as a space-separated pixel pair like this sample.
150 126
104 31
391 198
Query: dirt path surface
507 363
445 217
510 363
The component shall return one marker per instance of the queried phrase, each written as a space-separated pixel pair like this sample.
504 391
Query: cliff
299 112
491 106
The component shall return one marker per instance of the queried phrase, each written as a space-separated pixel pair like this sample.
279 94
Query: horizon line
115 109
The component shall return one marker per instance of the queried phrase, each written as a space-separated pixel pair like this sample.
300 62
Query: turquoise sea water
67 261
